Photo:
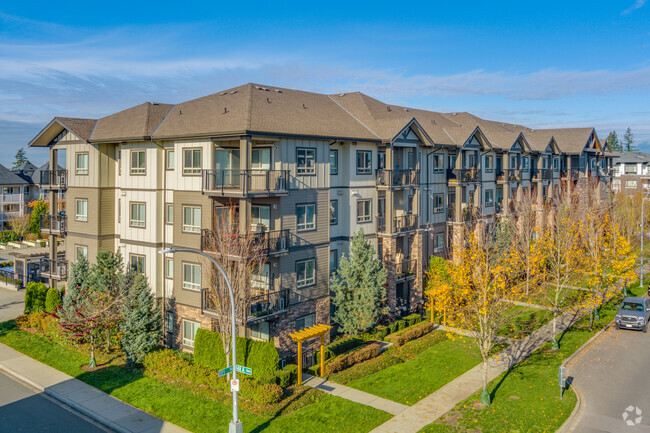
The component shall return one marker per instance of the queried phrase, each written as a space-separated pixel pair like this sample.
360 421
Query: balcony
397 178
574 173
53 269
54 179
262 307
513 174
53 224
405 223
245 183
547 174
534 174
381 224
406 269
11 198
273 243
463 175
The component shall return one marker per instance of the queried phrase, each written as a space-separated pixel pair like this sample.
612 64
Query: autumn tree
625 212
38 207
358 288
526 252
20 224
439 288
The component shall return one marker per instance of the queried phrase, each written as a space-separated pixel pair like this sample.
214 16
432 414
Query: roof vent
433 121
278 90
341 94
225 110
388 109
224 93
265 89
406 109
304 107
259 88
180 112
233 92
453 114
268 100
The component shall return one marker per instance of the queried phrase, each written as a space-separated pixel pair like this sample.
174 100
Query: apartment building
631 172
305 171
19 187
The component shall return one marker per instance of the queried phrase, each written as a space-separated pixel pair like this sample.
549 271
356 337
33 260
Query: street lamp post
235 425
642 235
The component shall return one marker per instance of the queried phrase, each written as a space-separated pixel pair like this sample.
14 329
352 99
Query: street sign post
225 371
562 379
244 370
234 385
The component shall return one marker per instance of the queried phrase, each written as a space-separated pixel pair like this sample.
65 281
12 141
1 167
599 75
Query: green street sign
244 370
226 371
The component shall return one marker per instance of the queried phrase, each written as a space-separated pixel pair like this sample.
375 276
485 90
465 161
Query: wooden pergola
307 334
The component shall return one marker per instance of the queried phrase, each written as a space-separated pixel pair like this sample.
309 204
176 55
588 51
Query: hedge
261 357
283 378
338 347
52 300
411 334
293 371
344 361
35 295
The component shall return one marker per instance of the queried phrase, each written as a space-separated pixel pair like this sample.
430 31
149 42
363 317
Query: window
170 161
260 280
305 272
438 164
451 161
169 213
305 321
192 219
138 162
616 184
82 251
334 161
489 197
26 190
513 162
630 168
438 243
137 264
544 162
191 161
260 217
334 212
191 276
630 184
170 322
489 163
81 205
260 331
82 163
556 164
438 207
364 162
137 215
261 158
363 211
381 160
306 161
334 261
189 332
169 268
525 164
306 217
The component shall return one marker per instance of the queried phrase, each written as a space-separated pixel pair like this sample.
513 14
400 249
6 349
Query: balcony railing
272 243
406 269
268 305
513 174
53 269
54 179
11 198
397 178
547 173
404 223
534 174
53 224
574 173
245 182
463 175
381 224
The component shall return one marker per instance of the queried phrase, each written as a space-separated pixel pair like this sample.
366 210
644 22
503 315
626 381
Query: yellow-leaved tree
439 290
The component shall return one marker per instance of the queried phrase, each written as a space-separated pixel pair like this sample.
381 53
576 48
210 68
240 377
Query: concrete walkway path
435 405
107 410
355 395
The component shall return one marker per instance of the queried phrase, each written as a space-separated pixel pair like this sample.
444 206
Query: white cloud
637 5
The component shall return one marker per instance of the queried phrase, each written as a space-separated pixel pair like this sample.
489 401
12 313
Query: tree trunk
92 363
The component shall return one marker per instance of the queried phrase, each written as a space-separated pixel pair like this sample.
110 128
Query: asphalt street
612 378
11 304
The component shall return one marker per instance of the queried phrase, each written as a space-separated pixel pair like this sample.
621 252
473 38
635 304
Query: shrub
9 236
401 324
381 332
35 295
412 334
283 378
314 370
348 360
261 393
52 300
392 327
293 370
412 319
338 347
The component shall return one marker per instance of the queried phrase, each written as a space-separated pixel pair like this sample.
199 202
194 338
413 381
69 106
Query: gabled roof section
135 123
419 132
523 143
572 141
8 177
82 128
500 135
478 136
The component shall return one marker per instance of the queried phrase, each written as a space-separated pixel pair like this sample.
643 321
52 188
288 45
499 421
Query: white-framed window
170 159
82 163
334 261
305 161
438 242
630 184
189 332
137 218
261 279
545 161
305 272
169 268
138 161
489 163
489 197
305 217
525 163
191 161
556 164
81 206
305 321
630 169
260 331
334 161
136 262
364 162
82 251
438 205
261 158
364 211
513 162
438 163
169 213
191 276
334 212
192 219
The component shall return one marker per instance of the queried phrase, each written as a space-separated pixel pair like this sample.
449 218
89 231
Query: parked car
633 313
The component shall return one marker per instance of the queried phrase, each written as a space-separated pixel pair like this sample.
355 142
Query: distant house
19 187
631 171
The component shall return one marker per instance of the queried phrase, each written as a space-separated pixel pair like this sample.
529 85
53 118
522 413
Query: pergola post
299 362
307 334
322 355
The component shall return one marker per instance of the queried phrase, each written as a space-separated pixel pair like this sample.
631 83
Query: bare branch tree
20 224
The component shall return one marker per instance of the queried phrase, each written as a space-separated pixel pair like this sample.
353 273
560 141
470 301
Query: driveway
611 376
12 304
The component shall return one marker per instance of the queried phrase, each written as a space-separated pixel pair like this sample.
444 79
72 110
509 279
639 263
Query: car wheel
645 329
617 327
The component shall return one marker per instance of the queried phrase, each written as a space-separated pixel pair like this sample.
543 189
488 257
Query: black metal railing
534 174
381 224
573 173
242 182
53 224
54 179
547 173
397 178
499 174
513 174
463 175
406 268
53 269
268 304
271 242
405 222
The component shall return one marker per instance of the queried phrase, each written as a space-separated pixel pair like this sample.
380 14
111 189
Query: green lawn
527 320
191 411
526 398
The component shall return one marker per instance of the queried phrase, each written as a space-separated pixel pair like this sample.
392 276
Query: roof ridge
146 118
249 113
351 115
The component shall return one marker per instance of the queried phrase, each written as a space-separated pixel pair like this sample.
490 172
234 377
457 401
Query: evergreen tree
628 141
39 207
78 277
52 300
142 321
614 143
358 291
21 158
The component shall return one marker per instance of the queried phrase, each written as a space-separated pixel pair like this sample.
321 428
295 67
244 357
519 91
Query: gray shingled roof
8 177
631 157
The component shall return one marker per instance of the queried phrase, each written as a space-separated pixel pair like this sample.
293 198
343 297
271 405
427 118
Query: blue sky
542 64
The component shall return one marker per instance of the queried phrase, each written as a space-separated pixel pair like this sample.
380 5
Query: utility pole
642 234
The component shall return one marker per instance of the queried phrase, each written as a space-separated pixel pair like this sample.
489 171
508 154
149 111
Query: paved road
611 375
12 304
23 410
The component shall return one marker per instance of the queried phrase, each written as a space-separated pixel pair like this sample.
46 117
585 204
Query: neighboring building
631 172
307 169
18 189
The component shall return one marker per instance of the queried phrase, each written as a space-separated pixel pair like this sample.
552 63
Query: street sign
234 385
562 381
244 370
225 371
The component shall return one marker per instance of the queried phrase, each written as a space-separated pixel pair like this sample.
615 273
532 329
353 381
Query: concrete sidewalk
355 395
107 410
